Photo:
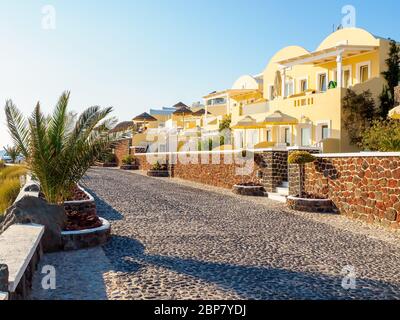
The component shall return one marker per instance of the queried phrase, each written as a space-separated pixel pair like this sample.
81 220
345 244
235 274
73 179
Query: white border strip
357 155
105 226
318 155
209 152
306 199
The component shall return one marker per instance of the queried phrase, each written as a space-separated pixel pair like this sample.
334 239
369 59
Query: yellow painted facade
291 103
306 96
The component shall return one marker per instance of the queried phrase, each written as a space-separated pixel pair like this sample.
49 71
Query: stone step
285 184
277 197
282 191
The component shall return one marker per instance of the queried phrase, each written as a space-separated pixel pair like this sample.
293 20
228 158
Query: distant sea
2 153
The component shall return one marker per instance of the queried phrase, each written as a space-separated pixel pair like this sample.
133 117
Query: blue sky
136 55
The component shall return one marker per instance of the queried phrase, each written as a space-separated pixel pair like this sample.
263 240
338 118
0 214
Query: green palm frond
61 149
58 123
18 127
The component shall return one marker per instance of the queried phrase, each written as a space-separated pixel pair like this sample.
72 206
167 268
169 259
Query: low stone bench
20 252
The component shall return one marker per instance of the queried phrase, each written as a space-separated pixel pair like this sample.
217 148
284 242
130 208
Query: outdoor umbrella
277 84
183 111
122 126
180 105
144 117
200 113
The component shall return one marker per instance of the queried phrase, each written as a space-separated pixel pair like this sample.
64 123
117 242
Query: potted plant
249 189
129 163
59 150
304 201
158 170
107 159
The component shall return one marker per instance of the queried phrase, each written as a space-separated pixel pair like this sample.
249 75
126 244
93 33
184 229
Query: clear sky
135 55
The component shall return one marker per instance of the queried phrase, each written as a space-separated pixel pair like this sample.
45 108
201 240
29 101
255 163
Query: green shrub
300 157
383 135
157 167
128 160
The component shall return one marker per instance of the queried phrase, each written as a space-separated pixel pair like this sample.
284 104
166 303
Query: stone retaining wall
122 149
224 169
366 188
296 174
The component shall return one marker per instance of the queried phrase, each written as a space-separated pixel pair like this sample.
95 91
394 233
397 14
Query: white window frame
299 80
252 133
282 134
318 129
345 68
326 73
239 134
293 83
270 130
358 67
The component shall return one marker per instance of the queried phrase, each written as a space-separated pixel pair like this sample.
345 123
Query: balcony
324 104
255 108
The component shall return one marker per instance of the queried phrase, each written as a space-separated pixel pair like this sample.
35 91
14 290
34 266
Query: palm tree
59 149
12 152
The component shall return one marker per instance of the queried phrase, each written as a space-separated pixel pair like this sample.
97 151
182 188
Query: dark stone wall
365 188
122 149
267 168
274 169
297 175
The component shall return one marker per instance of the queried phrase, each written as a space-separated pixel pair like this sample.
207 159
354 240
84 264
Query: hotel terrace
295 102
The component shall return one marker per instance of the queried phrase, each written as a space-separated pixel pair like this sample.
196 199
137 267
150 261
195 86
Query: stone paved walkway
172 240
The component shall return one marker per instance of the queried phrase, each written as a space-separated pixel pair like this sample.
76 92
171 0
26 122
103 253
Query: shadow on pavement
250 282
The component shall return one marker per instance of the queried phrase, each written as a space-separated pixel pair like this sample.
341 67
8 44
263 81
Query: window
363 72
216 101
252 137
287 136
305 137
269 135
303 85
347 78
289 88
324 131
239 143
322 82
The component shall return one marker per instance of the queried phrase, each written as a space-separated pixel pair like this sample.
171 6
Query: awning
279 118
247 123
246 94
395 113
327 55
228 93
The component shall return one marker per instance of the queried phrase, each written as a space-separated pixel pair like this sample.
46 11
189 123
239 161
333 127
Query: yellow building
300 103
